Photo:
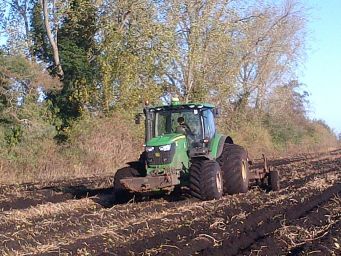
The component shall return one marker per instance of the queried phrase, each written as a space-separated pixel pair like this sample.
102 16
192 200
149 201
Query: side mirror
217 112
137 119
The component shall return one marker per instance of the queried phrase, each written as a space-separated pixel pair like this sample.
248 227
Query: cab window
209 125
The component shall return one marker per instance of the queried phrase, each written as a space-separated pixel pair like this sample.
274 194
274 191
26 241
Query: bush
95 146
272 135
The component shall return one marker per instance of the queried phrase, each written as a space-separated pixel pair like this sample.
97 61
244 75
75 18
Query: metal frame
262 170
151 183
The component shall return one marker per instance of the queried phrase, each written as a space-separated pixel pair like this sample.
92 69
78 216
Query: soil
78 217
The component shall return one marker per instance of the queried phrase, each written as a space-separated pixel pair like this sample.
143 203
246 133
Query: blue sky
322 68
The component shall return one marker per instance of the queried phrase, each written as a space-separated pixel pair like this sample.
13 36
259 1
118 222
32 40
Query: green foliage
22 115
13 136
76 42
281 132
74 61
135 55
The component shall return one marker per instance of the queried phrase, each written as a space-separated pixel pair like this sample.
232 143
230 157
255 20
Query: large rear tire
206 181
121 195
234 165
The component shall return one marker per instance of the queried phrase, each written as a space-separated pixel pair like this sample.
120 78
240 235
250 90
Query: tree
289 102
74 26
52 38
200 48
78 51
21 82
269 46
114 54
16 26
134 54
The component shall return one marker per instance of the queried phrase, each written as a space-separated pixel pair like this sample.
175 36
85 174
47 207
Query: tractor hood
165 139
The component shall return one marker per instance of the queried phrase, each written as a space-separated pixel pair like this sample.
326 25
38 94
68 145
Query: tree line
65 59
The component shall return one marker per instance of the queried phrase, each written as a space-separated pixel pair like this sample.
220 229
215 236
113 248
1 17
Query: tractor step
151 183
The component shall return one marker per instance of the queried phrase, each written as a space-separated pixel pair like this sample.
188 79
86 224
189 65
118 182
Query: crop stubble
75 219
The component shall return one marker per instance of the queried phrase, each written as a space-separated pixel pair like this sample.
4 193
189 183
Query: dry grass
96 147
29 215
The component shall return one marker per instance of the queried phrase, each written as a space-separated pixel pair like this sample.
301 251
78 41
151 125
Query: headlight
149 149
165 147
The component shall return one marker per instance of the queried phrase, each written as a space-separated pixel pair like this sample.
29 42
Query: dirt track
78 218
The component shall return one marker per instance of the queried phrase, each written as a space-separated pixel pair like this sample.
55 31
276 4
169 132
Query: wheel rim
244 171
219 182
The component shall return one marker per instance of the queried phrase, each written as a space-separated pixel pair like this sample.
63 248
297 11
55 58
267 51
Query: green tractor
183 148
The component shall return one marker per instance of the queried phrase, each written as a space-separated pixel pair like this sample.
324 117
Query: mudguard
222 141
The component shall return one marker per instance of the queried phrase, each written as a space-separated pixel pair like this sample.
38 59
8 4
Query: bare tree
52 38
200 47
272 43
16 26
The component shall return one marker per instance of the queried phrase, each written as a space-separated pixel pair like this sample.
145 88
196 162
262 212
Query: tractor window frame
208 123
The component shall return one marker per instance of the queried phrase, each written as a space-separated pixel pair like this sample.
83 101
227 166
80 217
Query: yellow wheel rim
244 170
219 182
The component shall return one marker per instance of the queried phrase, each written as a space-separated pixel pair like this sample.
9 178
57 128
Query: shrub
95 146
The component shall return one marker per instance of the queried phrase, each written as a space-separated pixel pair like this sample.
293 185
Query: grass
95 147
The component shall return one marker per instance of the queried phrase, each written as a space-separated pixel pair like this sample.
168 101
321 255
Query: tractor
184 149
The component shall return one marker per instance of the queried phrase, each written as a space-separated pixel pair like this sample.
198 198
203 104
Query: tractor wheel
206 181
233 162
121 195
140 165
274 180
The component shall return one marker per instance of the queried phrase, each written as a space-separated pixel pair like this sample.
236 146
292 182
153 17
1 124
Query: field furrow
66 219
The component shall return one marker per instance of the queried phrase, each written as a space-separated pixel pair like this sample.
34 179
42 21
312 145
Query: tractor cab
194 121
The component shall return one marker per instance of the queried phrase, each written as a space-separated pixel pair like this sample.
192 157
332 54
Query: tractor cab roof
182 106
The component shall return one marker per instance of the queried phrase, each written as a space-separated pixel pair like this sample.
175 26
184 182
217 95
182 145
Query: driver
183 127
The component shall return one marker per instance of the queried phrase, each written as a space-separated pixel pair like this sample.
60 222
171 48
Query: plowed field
78 218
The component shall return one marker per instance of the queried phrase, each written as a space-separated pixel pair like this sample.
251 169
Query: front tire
234 165
121 195
206 181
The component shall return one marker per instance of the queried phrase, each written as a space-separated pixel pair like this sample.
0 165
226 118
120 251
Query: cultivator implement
263 174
